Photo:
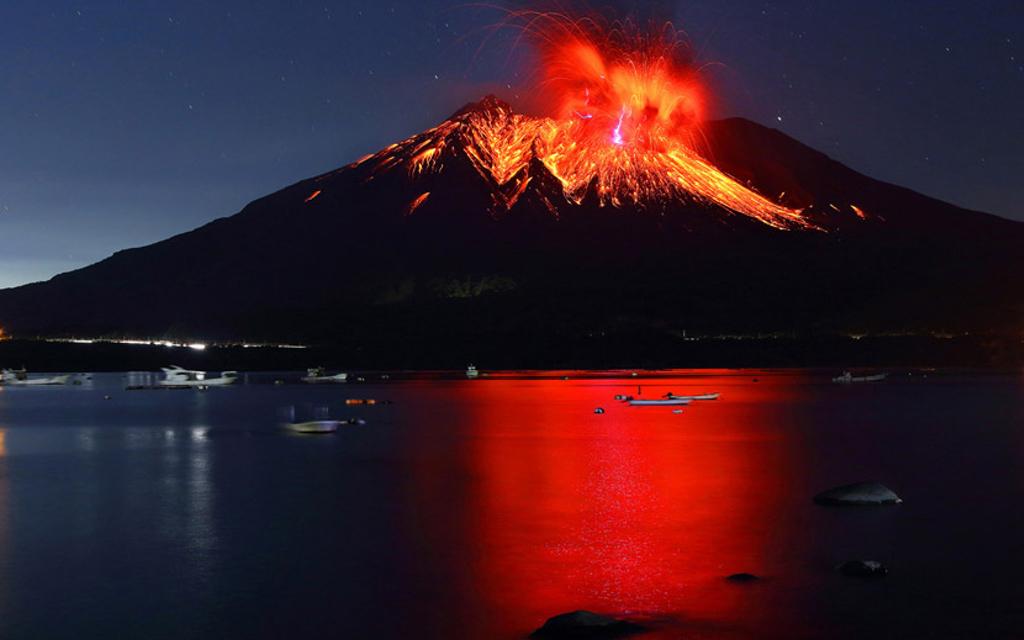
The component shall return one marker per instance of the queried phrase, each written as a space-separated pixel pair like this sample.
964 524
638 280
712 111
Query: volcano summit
485 229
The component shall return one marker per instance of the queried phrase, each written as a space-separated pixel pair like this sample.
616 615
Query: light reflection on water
478 508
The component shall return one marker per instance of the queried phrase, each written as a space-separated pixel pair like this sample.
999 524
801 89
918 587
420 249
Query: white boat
313 426
318 375
848 377
20 378
663 402
177 378
472 372
702 396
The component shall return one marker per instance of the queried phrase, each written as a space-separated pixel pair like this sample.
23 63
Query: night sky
123 123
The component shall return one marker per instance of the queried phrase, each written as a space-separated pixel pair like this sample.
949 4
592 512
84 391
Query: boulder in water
585 624
742 577
863 569
861 493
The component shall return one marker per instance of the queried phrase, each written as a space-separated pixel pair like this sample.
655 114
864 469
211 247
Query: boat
313 426
177 378
702 396
20 378
663 402
472 372
848 377
318 375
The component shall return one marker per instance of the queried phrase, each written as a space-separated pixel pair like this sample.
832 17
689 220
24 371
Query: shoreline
626 353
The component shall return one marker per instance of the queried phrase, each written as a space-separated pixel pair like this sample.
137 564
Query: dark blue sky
125 122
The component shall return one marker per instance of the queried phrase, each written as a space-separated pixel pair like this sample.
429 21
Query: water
476 509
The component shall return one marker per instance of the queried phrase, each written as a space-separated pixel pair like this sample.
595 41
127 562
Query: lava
417 202
625 111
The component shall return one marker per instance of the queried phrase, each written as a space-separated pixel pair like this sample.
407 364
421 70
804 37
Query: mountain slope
462 233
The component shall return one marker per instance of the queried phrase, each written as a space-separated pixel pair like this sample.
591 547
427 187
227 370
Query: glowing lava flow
627 115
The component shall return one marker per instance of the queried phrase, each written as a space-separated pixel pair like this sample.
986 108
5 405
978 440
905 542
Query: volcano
482 230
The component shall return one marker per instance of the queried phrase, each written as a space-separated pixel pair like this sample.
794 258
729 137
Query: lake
479 508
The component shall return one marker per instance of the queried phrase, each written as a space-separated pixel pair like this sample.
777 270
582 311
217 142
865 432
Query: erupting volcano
619 209
626 116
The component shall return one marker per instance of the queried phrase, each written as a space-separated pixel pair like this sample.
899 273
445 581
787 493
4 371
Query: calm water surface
478 508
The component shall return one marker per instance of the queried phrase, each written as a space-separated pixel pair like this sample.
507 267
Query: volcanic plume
626 110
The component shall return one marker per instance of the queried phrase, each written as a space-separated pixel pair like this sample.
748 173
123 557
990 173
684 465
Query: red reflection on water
638 511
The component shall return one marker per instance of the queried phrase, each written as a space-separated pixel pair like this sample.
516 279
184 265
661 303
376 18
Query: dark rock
861 493
863 569
585 624
599 410
742 577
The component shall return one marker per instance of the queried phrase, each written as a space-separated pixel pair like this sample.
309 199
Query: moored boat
664 402
848 377
318 375
702 396
19 378
472 372
313 426
177 378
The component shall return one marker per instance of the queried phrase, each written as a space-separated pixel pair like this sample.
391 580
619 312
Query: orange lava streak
417 202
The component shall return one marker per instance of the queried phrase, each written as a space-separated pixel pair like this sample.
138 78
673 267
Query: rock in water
585 624
742 577
863 569
862 493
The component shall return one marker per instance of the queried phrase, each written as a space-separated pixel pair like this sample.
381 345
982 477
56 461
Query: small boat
702 396
848 377
318 375
20 378
472 372
308 420
663 402
177 378
313 426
